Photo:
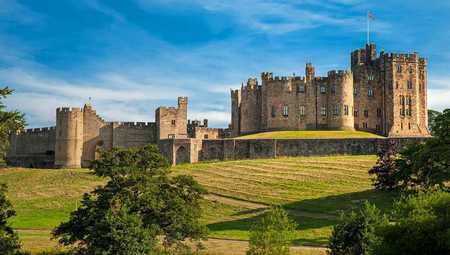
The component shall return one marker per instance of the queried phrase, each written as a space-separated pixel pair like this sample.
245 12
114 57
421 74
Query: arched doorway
182 155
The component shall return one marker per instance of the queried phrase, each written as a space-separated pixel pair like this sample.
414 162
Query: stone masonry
385 94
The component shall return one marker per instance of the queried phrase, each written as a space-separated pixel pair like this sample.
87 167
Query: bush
356 232
139 203
273 234
423 165
9 240
422 226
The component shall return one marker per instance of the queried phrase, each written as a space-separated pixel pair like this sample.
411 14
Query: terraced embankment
313 189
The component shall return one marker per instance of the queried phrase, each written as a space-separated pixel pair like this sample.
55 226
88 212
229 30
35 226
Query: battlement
321 79
37 131
133 124
400 57
69 109
341 73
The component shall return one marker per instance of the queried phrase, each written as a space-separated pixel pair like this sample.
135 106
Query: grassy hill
313 189
310 134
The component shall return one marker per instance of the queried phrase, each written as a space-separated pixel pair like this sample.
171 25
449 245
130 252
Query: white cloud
212 116
439 99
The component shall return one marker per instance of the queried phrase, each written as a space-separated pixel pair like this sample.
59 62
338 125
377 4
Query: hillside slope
313 189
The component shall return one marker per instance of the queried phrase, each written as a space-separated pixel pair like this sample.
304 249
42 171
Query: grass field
310 134
313 189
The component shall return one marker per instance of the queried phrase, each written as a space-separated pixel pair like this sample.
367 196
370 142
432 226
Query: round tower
341 101
69 137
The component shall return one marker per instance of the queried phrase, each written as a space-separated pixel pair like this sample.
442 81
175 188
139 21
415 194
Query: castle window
396 84
401 125
301 89
410 85
402 100
399 68
355 91
366 113
174 122
336 109
371 77
378 112
323 90
407 112
205 136
409 101
346 110
323 111
411 70
370 92
285 111
409 126
355 113
302 110
377 127
364 124
333 89
274 111
171 136
402 112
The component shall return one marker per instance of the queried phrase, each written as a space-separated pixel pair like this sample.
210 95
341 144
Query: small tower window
174 122
366 113
399 68
409 126
370 92
323 110
323 90
285 111
346 110
410 85
301 89
302 110
336 109
378 112
333 89
396 84
355 91
355 113
274 111
371 77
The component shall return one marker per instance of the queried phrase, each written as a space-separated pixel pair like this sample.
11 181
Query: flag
370 16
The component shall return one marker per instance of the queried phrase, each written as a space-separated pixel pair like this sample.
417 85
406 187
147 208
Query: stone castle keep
385 94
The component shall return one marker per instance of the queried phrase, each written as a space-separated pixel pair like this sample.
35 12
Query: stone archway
182 155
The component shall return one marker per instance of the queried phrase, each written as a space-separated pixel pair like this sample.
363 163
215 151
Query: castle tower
340 100
69 137
235 112
310 72
172 122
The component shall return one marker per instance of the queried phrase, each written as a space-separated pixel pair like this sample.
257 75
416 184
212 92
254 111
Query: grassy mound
313 189
310 134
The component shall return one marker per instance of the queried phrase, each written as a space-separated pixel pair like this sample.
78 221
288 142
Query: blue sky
132 56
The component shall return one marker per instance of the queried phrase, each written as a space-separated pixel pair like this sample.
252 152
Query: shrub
356 232
273 234
9 240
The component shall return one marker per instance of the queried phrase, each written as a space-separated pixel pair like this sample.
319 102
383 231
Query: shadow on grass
314 217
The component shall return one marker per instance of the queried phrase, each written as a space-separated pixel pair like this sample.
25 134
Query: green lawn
310 134
313 189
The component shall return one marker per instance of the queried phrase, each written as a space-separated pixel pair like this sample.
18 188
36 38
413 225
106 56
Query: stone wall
238 149
32 148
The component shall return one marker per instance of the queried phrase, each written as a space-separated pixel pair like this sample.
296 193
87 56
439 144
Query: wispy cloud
12 10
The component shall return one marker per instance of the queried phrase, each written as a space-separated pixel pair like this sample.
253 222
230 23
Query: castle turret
310 72
69 137
341 100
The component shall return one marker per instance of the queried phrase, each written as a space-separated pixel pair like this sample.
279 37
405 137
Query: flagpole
368 27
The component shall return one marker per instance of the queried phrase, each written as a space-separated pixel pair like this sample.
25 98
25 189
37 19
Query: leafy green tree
432 114
9 240
139 202
421 226
273 234
10 121
355 234
420 165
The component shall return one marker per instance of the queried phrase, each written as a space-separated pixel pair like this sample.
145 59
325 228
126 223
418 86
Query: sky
132 56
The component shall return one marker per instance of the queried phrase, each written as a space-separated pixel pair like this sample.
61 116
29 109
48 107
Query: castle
385 94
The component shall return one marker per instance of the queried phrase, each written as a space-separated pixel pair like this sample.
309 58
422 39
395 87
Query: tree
432 114
420 165
421 226
355 234
273 234
10 121
139 203
9 240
